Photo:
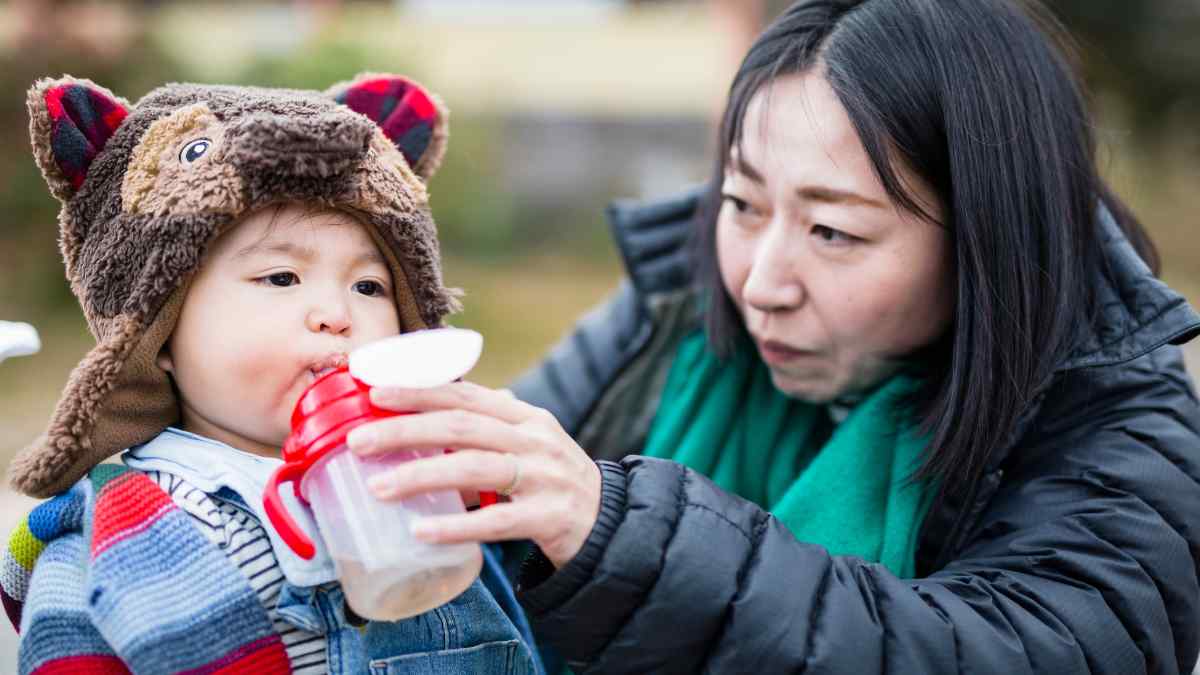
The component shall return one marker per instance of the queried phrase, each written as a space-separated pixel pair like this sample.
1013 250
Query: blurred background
558 107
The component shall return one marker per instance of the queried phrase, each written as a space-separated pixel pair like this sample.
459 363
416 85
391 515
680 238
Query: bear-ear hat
145 190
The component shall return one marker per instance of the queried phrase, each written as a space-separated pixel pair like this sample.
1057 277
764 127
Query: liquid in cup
385 573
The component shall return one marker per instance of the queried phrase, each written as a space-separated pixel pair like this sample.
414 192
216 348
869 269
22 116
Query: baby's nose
328 320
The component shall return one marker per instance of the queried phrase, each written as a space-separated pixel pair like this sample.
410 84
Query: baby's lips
328 363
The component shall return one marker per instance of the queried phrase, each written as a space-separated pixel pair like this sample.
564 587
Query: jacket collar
1138 312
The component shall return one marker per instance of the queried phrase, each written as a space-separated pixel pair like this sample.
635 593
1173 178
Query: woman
919 350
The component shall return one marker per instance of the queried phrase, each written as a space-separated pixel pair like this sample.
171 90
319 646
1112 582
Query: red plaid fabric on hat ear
409 116
82 120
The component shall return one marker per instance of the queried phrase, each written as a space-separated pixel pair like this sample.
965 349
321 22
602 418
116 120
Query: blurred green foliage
28 229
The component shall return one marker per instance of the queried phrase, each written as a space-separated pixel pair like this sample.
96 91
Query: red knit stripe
265 662
125 506
265 656
93 664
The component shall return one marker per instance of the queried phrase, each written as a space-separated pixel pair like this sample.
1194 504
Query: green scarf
846 488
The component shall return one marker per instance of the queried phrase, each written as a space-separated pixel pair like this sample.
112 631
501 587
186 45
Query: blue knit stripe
55 621
215 615
61 514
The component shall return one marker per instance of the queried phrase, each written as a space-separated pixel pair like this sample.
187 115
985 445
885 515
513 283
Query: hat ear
412 118
70 122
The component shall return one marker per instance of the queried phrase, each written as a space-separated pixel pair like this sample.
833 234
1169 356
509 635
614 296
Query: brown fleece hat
146 188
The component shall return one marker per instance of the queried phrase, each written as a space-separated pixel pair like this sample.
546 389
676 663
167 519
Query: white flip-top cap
424 358
18 339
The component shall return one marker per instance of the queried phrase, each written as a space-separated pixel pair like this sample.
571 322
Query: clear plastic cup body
386 574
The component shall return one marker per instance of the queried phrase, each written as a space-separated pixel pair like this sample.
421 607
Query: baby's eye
281 279
194 150
369 287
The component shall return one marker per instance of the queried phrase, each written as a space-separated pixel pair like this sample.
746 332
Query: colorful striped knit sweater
106 594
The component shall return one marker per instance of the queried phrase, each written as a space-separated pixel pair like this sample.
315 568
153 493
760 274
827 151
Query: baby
228 245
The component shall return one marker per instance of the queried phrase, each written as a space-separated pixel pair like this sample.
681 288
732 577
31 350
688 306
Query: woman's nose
772 283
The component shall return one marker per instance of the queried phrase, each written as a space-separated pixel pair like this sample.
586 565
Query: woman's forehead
796 126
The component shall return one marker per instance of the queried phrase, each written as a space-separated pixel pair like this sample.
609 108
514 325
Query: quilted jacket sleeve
1085 560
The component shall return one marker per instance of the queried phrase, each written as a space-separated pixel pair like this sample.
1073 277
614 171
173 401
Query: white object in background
423 358
18 339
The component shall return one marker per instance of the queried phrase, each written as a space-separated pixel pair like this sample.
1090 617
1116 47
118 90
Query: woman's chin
815 388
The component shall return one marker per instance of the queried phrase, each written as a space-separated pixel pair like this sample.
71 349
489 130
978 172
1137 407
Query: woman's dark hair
979 99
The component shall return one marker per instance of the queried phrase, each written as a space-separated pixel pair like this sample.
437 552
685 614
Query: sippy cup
386 573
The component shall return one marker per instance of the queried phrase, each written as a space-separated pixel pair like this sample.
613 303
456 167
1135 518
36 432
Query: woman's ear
414 120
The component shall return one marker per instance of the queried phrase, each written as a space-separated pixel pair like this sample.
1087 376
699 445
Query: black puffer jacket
1078 550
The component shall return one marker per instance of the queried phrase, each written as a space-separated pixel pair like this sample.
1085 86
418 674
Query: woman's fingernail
360 439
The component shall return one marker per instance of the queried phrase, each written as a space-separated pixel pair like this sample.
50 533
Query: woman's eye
194 150
831 235
281 279
372 288
739 204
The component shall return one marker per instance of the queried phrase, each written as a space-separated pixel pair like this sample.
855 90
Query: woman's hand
500 443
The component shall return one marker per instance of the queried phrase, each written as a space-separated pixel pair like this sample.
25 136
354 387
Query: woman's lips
777 353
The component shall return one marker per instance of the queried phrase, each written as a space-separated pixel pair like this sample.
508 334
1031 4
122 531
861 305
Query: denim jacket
480 631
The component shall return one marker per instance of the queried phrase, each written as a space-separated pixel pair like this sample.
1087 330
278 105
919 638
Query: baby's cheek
265 377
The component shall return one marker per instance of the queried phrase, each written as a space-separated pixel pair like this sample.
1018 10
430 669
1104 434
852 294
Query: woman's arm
1084 561
1081 579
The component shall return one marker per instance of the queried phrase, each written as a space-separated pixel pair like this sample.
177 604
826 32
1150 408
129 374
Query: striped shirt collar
215 467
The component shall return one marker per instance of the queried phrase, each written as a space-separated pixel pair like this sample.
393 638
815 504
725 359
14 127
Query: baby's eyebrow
287 248
304 253
371 256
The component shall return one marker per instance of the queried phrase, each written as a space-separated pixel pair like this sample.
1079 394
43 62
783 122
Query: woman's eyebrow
816 193
746 169
828 195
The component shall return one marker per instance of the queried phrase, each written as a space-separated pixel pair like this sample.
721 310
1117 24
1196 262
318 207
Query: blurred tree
106 43
1143 52
1146 53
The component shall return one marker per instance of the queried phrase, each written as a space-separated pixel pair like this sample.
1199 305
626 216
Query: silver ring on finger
507 490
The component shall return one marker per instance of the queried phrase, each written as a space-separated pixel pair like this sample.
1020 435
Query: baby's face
283 296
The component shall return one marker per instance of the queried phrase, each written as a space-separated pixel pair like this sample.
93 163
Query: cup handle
278 514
